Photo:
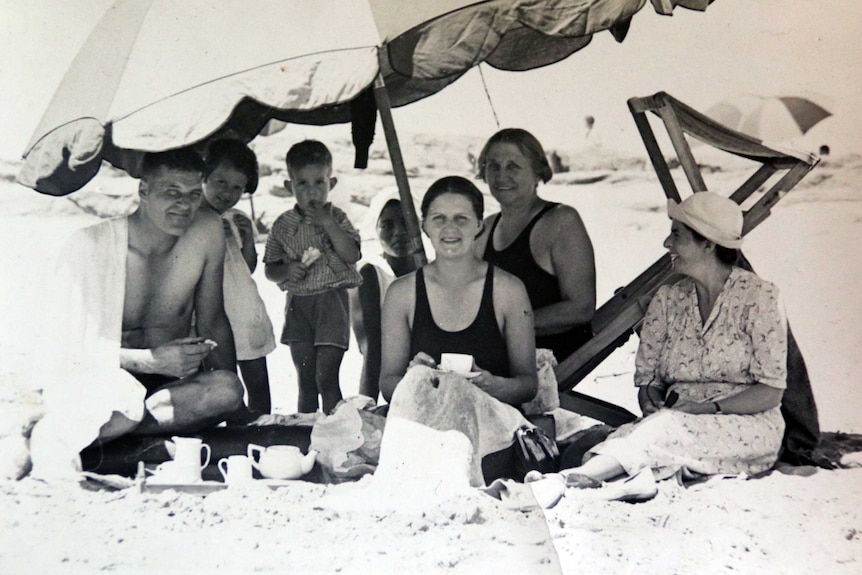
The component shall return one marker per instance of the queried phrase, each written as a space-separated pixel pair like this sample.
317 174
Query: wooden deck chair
621 316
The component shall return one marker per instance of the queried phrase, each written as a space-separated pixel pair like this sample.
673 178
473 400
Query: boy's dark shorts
321 319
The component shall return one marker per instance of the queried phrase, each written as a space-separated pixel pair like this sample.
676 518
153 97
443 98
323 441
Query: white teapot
281 461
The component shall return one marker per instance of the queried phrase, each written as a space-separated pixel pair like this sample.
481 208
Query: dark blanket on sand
835 445
802 426
121 456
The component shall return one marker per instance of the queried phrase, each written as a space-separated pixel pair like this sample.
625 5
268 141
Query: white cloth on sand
438 428
420 468
446 401
79 369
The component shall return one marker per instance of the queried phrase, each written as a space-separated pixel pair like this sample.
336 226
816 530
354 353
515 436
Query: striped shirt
292 234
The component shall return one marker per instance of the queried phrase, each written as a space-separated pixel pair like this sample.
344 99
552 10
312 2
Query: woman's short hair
725 255
236 155
529 146
454 185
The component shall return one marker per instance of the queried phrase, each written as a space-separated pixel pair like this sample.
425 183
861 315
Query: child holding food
310 253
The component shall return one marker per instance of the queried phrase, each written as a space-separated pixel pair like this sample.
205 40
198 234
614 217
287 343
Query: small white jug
187 454
235 469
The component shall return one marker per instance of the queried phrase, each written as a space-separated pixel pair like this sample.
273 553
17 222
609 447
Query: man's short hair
308 153
236 155
183 159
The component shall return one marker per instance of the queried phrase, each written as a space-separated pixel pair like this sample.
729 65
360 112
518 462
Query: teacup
459 362
235 469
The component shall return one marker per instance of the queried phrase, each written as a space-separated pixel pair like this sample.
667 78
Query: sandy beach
808 523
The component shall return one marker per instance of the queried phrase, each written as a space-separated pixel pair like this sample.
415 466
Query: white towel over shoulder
80 375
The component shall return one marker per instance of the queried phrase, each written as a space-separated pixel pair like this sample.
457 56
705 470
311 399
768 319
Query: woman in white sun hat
711 365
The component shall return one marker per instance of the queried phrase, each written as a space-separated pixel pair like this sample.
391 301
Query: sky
766 47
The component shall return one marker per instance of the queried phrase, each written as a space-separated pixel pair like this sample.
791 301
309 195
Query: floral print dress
743 342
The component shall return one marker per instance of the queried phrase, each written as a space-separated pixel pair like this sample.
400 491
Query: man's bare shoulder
206 221
206 227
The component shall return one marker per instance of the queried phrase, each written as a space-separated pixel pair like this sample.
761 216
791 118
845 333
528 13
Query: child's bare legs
256 378
328 365
305 361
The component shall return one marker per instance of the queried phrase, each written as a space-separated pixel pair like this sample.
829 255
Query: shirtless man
174 267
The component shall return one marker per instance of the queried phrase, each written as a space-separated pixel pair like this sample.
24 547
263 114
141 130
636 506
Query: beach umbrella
162 74
769 118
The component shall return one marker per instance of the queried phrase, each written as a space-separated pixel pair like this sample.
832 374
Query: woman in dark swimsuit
459 303
544 244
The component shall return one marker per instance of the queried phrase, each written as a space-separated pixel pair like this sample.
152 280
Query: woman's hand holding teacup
484 381
422 358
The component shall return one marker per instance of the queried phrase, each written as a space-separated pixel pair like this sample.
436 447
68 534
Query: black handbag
536 450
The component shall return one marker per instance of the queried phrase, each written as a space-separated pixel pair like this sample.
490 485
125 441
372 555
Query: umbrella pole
381 97
251 204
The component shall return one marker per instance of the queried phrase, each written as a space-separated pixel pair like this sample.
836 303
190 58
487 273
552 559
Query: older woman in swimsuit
545 244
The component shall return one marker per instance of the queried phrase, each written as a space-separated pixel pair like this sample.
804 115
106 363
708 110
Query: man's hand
181 357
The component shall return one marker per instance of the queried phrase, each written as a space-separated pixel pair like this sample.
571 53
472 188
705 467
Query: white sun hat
715 217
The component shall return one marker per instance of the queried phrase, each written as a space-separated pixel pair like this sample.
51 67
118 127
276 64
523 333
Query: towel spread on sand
79 368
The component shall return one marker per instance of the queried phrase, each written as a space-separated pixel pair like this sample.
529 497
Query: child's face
310 184
224 187
392 231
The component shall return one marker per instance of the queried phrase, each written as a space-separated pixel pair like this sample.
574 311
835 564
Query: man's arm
211 319
178 358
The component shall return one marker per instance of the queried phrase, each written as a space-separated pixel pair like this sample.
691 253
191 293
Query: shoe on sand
635 489
548 490
534 475
513 495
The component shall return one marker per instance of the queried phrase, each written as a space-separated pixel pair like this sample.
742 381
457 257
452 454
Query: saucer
464 374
